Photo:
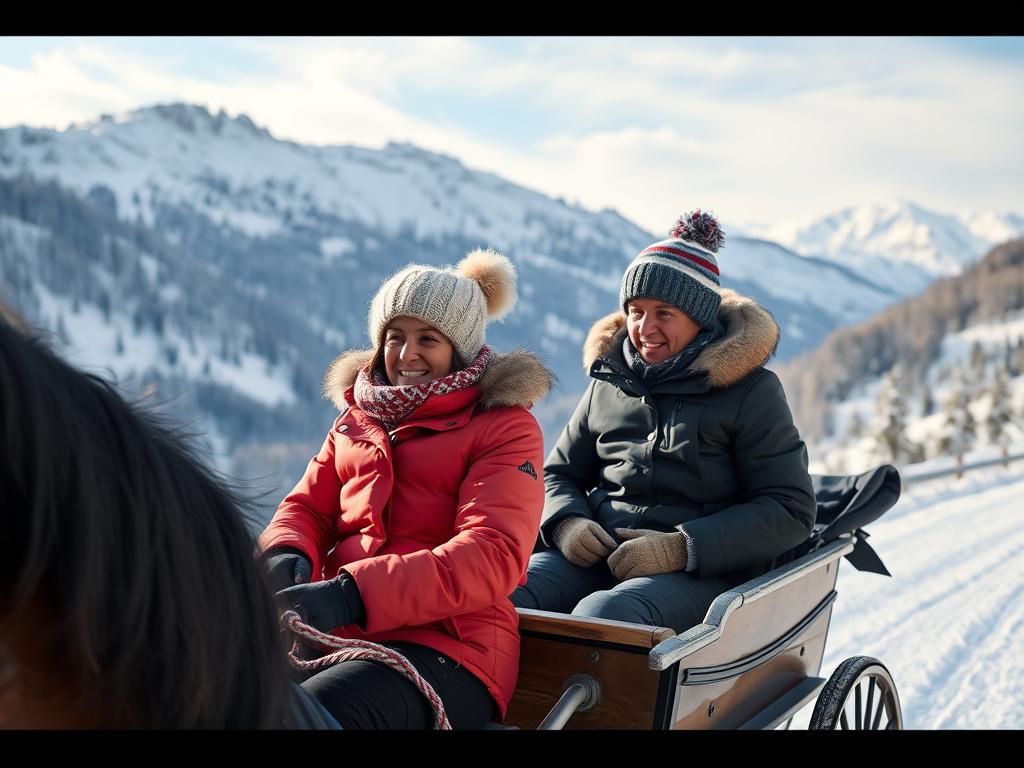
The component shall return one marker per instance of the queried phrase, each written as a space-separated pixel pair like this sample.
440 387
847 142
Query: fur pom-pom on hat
700 228
496 275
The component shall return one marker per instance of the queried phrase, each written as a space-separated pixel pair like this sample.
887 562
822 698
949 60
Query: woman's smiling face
415 352
659 330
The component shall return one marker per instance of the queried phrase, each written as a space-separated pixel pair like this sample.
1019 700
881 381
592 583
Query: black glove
325 605
286 567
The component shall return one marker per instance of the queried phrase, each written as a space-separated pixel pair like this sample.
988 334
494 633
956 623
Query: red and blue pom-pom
700 228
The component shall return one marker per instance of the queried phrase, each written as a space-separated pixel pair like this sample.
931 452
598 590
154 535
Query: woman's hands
325 605
646 552
286 567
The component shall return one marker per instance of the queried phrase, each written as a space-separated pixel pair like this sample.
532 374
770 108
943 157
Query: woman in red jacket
416 520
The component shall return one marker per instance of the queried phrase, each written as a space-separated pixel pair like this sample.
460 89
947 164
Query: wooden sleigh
753 662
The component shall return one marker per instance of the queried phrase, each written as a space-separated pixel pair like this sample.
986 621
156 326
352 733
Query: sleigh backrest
846 504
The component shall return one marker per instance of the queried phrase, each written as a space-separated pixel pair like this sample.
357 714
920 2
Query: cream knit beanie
458 302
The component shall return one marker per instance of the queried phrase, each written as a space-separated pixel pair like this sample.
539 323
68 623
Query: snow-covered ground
949 625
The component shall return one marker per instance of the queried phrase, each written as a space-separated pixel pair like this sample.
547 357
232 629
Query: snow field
948 625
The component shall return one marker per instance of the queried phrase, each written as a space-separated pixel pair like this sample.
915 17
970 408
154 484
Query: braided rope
344 649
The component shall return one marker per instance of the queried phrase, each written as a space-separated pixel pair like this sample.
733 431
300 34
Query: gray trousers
677 600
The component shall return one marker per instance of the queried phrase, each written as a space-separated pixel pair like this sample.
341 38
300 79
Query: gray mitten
583 542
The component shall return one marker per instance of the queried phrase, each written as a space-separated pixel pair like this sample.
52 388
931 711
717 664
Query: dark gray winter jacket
711 451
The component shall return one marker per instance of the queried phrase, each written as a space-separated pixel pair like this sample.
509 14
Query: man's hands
646 552
583 542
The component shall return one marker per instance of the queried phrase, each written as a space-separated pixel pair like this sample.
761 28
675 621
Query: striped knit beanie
458 302
681 271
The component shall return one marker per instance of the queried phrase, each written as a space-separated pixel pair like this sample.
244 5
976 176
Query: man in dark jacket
681 473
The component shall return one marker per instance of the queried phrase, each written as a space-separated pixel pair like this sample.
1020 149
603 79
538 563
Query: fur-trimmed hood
516 378
751 338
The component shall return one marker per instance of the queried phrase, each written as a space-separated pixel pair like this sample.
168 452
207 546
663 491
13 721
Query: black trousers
366 695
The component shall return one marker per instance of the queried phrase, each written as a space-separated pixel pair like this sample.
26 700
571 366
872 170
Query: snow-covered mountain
899 245
195 254
237 175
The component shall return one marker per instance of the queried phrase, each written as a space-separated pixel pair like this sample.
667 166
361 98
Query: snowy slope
900 245
949 625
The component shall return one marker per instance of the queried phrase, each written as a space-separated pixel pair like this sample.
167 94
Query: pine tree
957 436
977 360
104 304
1000 415
891 421
927 401
856 428
829 426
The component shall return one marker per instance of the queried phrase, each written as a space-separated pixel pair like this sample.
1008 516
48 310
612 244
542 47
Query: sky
756 130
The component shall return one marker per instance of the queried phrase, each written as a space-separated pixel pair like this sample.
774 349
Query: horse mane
136 551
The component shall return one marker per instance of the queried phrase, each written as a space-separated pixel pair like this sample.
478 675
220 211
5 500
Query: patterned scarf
652 373
390 404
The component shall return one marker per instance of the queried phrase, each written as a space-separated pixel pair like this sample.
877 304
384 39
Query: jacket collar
517 378
751 338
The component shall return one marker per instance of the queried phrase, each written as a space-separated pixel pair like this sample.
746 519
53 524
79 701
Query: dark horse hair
138 557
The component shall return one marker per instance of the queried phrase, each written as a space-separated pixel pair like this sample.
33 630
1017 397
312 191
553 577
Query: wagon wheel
860 695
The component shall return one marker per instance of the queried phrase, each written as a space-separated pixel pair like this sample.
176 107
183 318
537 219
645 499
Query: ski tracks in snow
949 625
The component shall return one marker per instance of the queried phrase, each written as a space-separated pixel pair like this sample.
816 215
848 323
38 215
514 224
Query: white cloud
751 129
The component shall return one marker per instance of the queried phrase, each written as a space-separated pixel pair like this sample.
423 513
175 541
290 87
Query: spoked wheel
861 696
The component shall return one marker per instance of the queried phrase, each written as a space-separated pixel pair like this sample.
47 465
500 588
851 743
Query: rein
342 649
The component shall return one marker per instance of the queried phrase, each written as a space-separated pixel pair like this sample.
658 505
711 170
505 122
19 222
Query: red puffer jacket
436 521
